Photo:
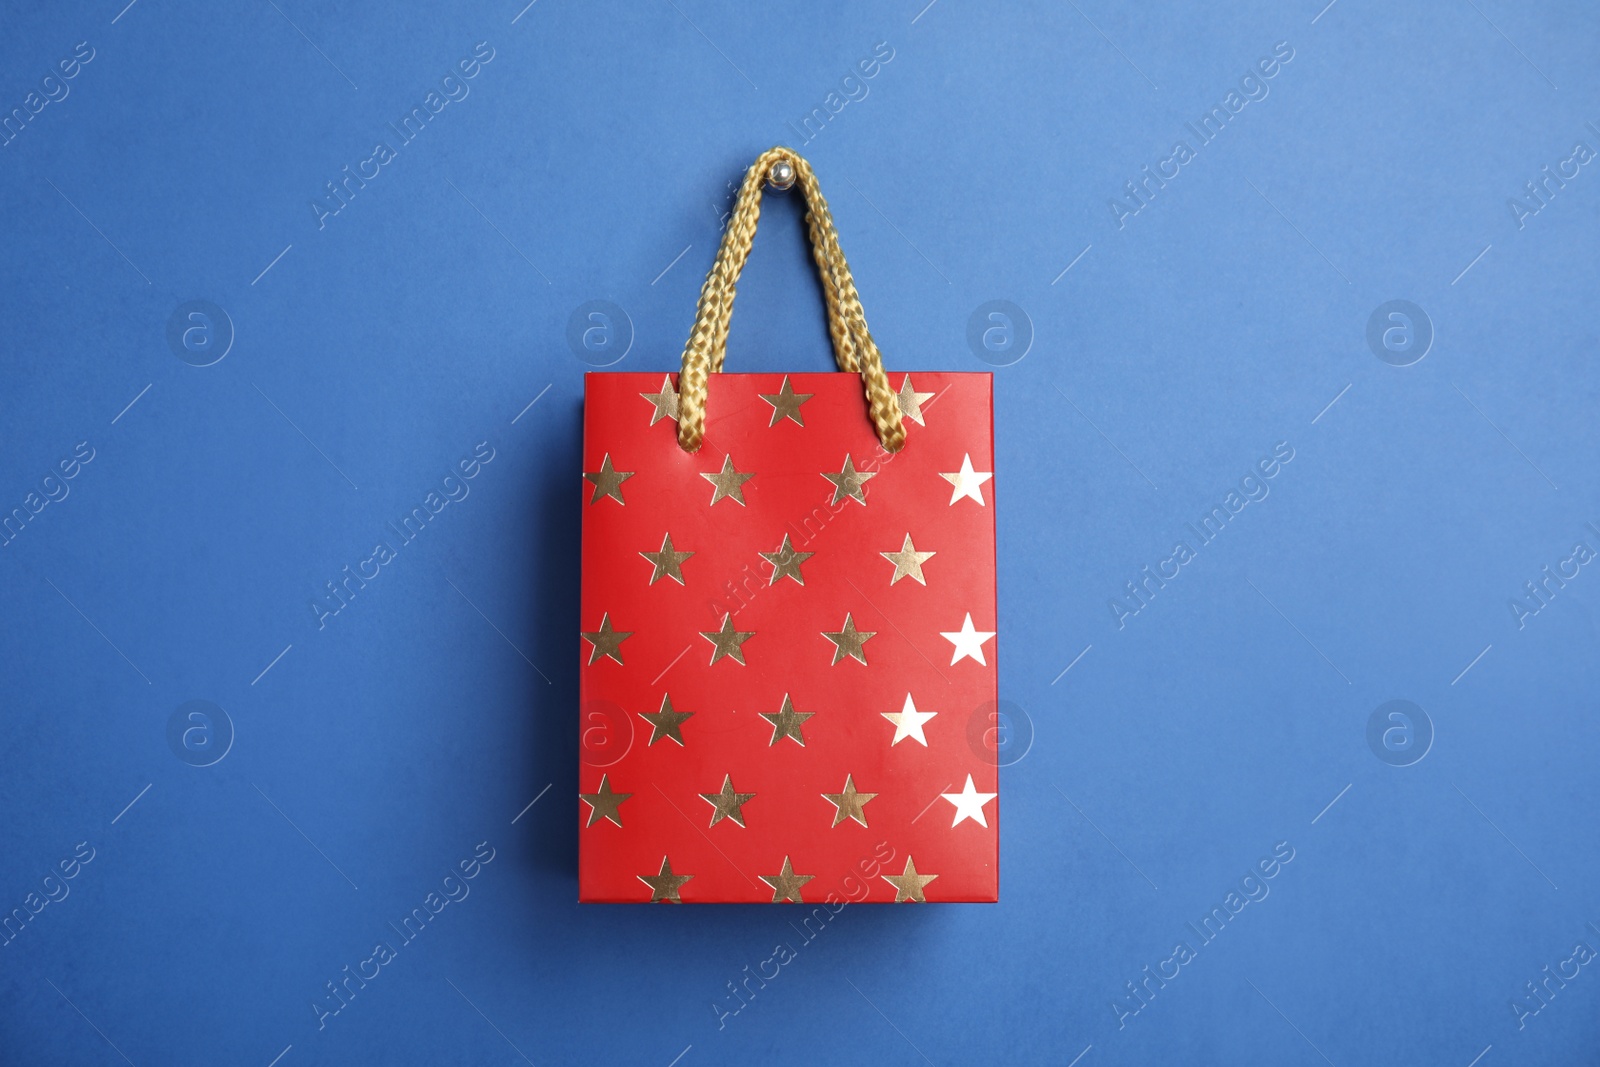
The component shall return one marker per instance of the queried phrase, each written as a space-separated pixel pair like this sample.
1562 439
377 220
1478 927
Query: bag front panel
799 728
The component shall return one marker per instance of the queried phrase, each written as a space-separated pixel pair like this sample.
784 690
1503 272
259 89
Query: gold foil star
908 885
727 641
786 562
669 564
665 886
786 403
849 804
606 641
604 804
786 884
786 722
848 482
666 402
607 481
908 722
666 722
729 482
907 562
967 482
848 641
911 401
727 804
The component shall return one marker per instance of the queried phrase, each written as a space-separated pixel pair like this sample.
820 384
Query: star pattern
848 803
604 804
786 722
786 562
745 738
665 885
727 804
968 642
665 402
727 641
908 723
668 563
729 482
666 723
786 885
908 562
848 641
966 481
908 884
607 481
786 404
606 641
849 482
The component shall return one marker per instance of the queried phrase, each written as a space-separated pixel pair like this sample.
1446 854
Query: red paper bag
788 656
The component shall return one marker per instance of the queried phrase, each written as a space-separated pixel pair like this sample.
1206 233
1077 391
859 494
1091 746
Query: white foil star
967 481
908 722
969 803
968 642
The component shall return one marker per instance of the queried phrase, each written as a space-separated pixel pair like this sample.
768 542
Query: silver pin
781 176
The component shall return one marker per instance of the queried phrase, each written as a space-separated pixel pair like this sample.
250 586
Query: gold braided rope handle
854 349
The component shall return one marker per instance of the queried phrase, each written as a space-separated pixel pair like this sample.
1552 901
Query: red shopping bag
788 656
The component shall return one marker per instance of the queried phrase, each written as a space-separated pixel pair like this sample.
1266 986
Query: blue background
591 162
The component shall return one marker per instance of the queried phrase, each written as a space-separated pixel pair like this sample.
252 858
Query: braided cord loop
853 346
